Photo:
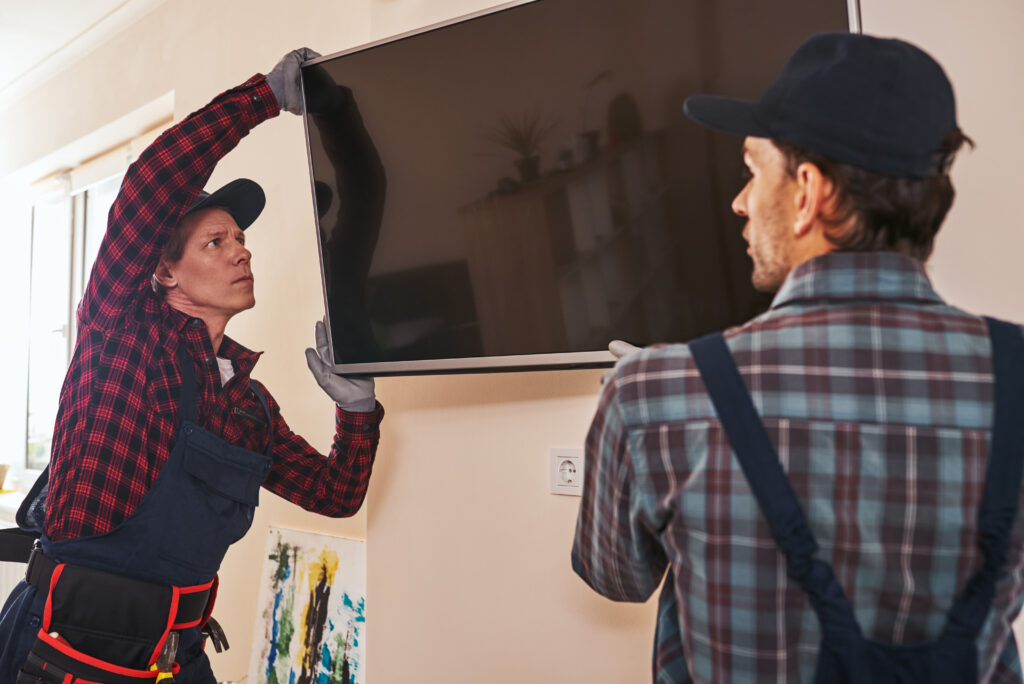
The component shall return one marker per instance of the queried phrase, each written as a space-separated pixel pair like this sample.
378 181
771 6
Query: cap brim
726 114
242 198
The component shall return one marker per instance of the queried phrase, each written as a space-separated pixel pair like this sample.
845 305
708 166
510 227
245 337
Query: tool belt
101 627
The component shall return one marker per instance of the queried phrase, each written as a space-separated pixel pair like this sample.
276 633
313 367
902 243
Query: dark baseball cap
880 104
242 198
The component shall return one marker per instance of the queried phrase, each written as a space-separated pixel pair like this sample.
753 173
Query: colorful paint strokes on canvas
312 623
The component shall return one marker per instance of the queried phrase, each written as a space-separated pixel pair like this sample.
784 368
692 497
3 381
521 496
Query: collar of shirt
243 359
857 276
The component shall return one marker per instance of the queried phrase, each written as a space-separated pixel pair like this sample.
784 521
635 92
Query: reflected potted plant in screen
523 135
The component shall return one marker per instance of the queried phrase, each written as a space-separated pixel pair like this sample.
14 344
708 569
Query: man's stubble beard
771 260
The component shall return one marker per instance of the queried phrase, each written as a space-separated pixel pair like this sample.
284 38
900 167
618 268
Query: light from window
49 325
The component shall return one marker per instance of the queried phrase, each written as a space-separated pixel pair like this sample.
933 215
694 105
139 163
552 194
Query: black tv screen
516 188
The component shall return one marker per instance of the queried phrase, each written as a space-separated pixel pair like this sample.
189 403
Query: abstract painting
311 625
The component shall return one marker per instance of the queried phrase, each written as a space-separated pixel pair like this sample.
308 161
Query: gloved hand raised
352 394
284 79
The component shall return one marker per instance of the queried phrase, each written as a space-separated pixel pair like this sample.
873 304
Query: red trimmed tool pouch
102 627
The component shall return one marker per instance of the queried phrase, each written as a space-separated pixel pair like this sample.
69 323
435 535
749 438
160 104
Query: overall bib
201 502
845 655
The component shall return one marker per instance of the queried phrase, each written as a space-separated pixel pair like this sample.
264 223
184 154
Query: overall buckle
33 558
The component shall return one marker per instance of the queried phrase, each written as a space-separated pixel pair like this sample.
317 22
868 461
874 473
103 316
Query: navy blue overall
201 502
845 654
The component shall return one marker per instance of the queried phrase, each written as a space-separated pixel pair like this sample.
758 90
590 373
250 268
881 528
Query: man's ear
811 198
164 276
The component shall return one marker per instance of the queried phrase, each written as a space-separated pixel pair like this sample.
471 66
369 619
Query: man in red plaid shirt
163 437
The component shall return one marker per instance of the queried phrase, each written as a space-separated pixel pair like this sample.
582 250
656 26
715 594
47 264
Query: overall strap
187 397
270 417
753 448
187 408
1002 481
772 489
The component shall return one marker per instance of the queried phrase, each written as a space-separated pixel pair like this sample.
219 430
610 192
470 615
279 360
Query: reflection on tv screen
525 182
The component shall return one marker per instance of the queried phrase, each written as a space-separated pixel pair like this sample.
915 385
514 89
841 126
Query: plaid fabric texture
878 397
118 417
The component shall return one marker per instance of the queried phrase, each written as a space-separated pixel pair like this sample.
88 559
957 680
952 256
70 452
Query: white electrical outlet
566 471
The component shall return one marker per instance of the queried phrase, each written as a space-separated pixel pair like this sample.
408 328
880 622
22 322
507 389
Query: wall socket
566 471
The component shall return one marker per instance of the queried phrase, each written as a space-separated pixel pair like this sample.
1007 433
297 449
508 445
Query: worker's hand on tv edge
352 394
618 348
283 79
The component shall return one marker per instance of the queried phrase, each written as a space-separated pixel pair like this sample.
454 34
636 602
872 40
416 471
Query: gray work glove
618 348
352 394
284 79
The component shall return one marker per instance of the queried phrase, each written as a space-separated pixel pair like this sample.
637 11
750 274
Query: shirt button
195 322
209 360
367 427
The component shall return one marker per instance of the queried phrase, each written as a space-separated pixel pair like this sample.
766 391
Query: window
49 332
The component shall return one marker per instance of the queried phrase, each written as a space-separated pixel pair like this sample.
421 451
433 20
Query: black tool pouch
100 627
49 665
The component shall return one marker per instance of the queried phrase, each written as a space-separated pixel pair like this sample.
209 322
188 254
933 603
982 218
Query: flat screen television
515 188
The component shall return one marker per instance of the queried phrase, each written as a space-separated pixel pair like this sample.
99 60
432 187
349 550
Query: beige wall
468 570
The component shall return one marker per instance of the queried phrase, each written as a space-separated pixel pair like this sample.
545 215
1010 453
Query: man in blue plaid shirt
876 395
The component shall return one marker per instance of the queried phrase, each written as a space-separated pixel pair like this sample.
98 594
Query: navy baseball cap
242 198
880 104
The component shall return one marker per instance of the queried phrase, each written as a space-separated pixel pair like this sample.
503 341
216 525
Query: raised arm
332 485
614 551
157 189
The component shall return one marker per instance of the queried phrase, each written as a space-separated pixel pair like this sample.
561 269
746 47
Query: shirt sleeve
157 189
332 485
614 550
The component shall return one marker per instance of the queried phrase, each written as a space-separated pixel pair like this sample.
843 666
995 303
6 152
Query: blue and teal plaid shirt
878 398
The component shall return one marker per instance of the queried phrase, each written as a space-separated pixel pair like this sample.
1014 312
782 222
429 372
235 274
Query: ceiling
39 39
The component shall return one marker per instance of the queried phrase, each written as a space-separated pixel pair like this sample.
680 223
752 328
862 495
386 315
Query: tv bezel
471 364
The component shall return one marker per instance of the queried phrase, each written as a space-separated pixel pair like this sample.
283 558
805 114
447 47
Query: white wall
468 571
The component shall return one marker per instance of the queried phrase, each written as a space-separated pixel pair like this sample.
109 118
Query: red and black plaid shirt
118 417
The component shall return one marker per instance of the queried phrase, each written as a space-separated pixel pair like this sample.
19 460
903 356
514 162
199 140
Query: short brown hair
892 214
172 251
174 248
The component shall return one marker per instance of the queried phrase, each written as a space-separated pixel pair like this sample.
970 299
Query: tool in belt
103 627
